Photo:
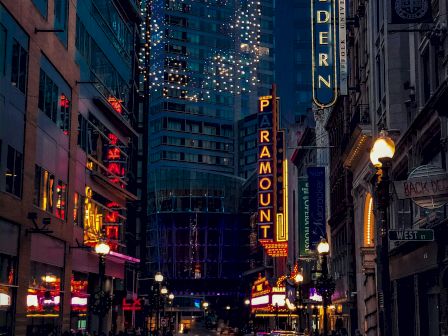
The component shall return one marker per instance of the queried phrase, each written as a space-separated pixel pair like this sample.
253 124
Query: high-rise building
293 60
203 76
67 148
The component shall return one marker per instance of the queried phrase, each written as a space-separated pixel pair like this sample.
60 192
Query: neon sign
116 104
266 185
323 40
134 305
272 180
114 160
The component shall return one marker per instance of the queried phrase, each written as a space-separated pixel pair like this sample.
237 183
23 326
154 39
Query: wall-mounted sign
426 185
416 11
323 43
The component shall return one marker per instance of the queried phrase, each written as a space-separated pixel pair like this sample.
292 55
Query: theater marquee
323 40
272 181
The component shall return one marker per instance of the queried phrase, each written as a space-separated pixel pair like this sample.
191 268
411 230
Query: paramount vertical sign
266 184
272 180
323 40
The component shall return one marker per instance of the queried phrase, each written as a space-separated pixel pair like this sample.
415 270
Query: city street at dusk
223 167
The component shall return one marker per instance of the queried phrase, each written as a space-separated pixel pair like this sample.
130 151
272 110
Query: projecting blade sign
323 40
411 11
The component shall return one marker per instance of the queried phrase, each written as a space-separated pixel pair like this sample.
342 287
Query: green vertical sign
304 218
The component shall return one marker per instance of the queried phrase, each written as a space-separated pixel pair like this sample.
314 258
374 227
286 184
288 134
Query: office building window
60 19
78 210
42 6
14 170
19 66
56 106
61 199
43 189
2 50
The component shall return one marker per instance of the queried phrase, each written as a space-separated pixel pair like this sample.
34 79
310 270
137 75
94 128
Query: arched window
369 222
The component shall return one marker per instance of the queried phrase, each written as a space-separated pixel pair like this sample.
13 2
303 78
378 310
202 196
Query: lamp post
298 279
102 249
381 156
325 284
159 279
163 292
171 301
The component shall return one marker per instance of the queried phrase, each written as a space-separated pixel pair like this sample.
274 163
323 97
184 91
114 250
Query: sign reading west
411 235
323 40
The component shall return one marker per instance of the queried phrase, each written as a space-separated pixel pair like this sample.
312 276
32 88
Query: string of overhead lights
166 61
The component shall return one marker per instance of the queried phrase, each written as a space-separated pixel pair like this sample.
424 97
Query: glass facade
204 74
293 60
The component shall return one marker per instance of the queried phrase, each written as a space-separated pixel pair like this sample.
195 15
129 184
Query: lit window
61 194
43 189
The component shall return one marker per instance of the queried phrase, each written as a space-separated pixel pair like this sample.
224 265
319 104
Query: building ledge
104 181
368 256
359 141
118 120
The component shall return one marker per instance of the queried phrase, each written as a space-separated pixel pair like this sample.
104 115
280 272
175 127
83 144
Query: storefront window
44 291
7 291
79 301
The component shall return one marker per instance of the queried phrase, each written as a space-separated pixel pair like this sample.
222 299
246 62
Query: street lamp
247 302
164 290
171 296
101 304
158 277
325 284
381 156
298 279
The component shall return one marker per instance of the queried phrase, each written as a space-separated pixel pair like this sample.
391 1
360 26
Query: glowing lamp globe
102 248
171 296
158 277
205 304
164 290
298 278
247 302
323 247
228 307
384 147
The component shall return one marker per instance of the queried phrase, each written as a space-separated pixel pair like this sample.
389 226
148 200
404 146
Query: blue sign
316 185
323 40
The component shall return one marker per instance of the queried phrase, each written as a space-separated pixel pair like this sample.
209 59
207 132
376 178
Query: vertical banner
343 71
304 218
316 183
323 47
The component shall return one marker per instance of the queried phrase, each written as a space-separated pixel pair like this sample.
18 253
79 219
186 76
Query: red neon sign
134 305
116 104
